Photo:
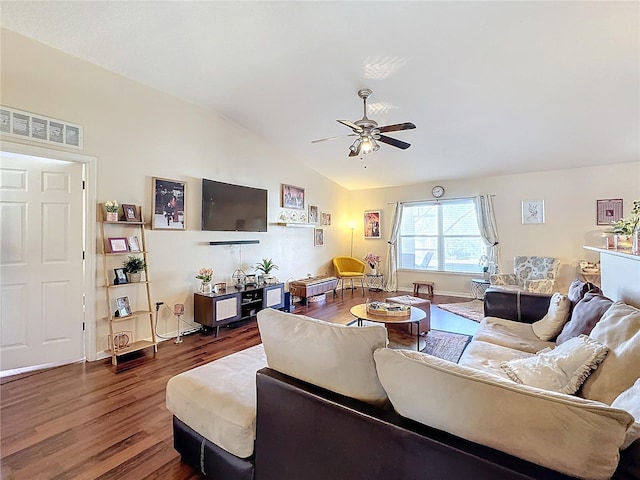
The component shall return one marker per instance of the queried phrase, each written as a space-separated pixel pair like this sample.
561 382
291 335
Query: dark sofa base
207 458
306 432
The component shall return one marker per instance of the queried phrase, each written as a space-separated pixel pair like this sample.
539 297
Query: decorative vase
621 241
206 287
374 271
134 277
112 216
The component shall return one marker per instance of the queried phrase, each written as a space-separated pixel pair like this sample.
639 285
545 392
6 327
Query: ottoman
214 414
421 303
309 287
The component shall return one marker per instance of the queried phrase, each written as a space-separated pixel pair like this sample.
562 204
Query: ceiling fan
369 133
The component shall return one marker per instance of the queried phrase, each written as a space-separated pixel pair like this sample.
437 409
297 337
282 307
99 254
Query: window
440 236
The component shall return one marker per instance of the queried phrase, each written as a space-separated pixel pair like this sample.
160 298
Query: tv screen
233 208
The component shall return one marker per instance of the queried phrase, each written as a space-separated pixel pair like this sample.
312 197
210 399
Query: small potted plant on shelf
205 275
134 266
265 266
112 208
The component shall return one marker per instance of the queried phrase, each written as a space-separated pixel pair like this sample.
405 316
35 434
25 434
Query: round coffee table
416 315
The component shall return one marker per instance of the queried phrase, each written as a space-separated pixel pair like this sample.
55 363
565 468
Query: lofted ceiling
493 87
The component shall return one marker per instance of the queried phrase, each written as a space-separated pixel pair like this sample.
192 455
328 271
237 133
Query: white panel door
41 265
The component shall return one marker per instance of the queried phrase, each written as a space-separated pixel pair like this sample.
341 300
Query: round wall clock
437 191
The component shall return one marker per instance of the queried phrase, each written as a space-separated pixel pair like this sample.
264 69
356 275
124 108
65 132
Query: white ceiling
493 87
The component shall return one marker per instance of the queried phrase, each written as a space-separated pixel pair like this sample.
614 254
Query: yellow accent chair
349 268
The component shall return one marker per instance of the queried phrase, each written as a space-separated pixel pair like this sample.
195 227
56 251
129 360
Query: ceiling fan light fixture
367 146
355 146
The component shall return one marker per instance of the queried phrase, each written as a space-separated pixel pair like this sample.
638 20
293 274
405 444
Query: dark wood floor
97 421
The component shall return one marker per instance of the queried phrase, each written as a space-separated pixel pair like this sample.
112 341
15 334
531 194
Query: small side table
375 283
478 287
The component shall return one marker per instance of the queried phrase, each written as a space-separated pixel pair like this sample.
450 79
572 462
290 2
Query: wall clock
437 191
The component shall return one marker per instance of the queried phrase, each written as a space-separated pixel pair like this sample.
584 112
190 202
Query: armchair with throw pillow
531 274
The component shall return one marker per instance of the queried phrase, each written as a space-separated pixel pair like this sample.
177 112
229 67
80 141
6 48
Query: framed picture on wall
292 197
325 219
313 214
372 224
318 237
169 200
532 212
608 211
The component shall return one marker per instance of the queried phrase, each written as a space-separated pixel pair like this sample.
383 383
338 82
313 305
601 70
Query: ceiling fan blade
394 142
353 154
351 125
333 138
397 127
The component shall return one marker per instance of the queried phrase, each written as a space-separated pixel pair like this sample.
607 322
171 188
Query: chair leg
362 285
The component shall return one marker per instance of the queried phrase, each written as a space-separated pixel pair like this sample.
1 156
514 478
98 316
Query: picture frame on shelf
318 237
325 219
313 214
372 224
118 245
123 306
532 212
292 197
131 213
169 200
120 276
221 286
134 244
608 211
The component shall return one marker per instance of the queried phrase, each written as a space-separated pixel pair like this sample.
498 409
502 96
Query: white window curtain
489 230
391 284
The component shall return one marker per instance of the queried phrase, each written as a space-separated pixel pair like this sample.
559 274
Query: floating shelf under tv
236 242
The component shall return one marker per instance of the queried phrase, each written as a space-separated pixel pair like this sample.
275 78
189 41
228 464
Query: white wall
137 133
570 215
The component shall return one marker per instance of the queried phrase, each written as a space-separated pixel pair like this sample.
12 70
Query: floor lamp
352 226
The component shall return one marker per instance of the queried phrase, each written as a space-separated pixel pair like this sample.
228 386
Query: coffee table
416 314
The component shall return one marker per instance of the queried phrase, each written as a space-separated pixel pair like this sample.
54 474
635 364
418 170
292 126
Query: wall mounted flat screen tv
233 208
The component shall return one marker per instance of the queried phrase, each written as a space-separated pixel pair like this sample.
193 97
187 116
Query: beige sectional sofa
579 435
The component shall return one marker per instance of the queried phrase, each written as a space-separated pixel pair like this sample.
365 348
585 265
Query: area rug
446 345
473 309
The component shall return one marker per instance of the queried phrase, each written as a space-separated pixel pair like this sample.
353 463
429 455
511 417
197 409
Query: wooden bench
308 287
417 285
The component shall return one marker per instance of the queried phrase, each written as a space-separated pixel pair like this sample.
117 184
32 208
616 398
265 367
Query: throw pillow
562 369
551 324
586 314
578 289
629 401
619 329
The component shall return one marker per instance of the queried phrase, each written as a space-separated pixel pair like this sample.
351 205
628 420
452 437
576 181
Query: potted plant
134 266
112 208
205 275
265 266
372 259
625 227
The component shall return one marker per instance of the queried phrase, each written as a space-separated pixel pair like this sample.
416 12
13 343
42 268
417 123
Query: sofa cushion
562 369
510 334
619 329
586 313
549 326
336 357
629 401
569 434
218 400
488 357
